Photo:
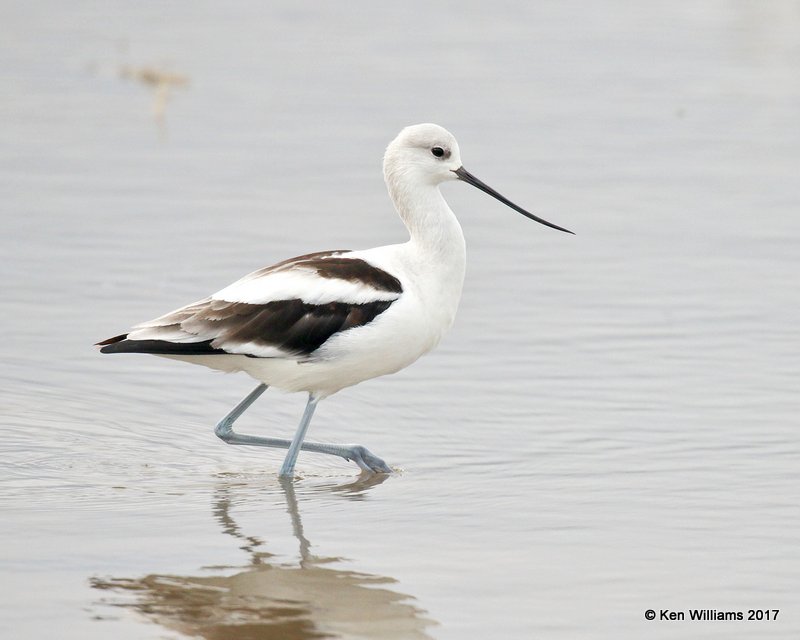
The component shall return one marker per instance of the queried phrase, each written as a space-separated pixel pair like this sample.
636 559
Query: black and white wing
288 310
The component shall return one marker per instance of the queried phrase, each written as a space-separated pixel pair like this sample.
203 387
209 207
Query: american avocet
325 321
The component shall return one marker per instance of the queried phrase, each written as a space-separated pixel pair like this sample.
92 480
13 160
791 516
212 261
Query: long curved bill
467 177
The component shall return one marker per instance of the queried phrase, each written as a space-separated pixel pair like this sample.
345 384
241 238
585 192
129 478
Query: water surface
610 427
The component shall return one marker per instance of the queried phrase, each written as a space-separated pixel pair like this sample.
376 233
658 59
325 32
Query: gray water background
612 424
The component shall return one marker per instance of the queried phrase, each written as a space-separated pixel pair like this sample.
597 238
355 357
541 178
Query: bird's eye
437 151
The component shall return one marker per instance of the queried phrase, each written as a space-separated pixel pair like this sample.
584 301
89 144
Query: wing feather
287 310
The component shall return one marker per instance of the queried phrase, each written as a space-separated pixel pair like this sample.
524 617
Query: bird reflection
269 599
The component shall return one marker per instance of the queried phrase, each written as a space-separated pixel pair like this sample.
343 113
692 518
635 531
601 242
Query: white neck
437 248
431 223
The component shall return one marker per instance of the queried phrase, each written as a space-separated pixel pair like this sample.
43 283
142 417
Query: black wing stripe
162 347
336 265
357 270
295 327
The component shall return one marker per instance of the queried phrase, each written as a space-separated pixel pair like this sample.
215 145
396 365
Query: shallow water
610 427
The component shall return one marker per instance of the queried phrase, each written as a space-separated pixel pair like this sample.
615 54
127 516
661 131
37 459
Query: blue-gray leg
287 468
358 454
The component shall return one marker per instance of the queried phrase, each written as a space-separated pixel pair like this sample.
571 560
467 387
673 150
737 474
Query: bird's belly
390 343
327 376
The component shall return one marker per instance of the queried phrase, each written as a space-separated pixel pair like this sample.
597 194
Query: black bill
467 177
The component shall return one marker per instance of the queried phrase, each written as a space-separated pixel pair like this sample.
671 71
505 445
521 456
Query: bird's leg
362 456
224 428
287 468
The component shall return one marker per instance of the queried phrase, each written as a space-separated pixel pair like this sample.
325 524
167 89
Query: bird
321 322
